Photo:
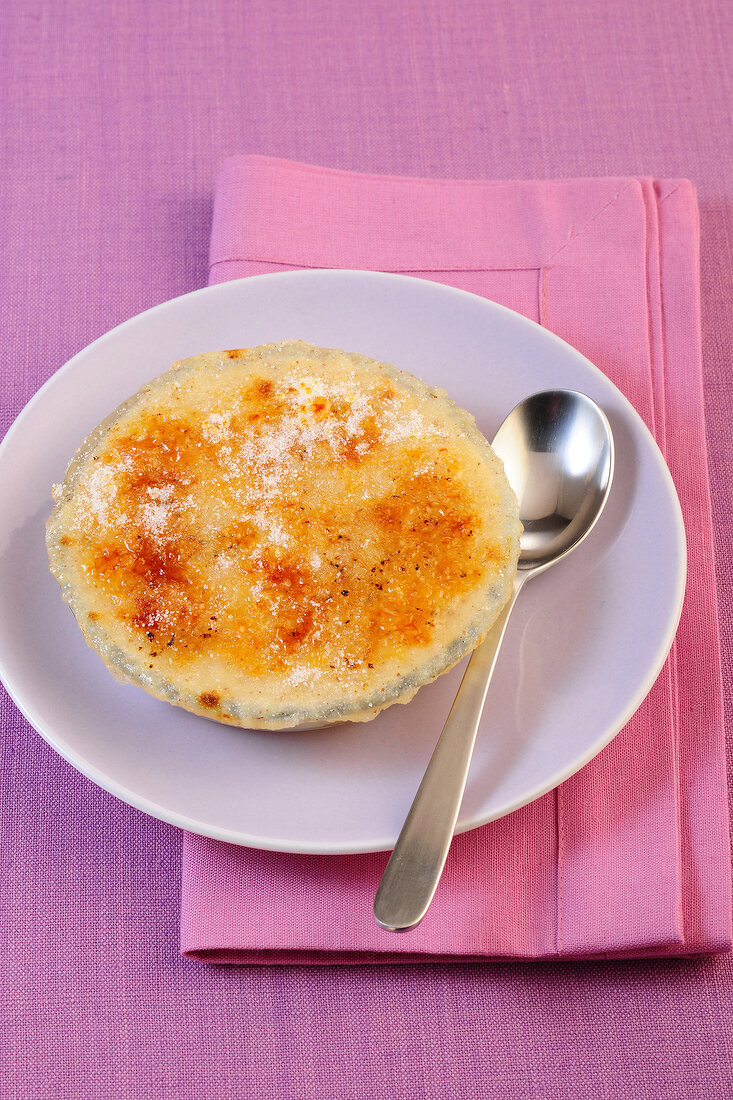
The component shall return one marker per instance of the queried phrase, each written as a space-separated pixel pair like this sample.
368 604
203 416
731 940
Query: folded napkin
630 856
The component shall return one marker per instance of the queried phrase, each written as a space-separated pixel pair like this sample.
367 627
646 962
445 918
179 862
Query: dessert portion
284 535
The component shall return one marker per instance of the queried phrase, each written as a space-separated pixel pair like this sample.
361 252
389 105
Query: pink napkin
631 855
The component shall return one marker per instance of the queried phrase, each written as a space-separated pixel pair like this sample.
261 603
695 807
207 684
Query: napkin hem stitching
598 213
298 266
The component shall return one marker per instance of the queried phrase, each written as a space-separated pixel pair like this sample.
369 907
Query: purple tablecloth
117 118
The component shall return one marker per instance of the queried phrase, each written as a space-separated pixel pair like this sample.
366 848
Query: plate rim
561 774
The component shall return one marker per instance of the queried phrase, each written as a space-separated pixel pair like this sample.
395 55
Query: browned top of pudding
284 529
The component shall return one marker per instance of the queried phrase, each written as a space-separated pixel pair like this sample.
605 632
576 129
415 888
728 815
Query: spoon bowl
557 450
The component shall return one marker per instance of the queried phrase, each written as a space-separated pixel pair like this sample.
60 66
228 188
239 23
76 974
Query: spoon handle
416 864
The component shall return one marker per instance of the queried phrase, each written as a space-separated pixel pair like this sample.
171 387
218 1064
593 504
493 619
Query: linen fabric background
117 119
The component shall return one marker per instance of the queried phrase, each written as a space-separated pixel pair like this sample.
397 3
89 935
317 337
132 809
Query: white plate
584 645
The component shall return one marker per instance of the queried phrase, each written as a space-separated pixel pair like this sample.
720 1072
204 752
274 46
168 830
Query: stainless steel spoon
557 450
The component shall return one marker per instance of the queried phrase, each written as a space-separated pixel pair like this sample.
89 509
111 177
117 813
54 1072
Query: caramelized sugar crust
282 532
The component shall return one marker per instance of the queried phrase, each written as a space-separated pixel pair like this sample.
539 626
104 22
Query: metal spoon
557 450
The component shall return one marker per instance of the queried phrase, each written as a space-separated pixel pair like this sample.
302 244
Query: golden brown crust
284 535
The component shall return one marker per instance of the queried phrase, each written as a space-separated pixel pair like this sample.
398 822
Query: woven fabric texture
117 120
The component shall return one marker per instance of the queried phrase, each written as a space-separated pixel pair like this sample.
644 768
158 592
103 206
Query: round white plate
584 645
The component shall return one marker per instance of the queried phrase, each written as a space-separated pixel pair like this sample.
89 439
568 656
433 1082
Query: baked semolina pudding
284 535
